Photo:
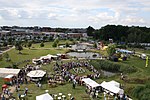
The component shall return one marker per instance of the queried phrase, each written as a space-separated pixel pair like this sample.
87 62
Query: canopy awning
9 76
45 96
8 71
36 73
111 87
90 82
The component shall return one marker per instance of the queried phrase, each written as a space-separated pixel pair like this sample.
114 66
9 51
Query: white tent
45 96
8 71
9 76
90 82
115 83
36 73
111 87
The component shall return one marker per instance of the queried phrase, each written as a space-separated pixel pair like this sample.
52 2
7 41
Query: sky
74 13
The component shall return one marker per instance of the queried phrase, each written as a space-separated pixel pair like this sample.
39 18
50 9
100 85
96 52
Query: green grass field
49 44
79 92
28 54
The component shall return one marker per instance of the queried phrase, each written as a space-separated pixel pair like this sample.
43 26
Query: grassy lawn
141 50
140 65
28 54
79 92
49 44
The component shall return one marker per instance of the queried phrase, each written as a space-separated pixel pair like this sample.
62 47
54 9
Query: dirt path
12 89
7 50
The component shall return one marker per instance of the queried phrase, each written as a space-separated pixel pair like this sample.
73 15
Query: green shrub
142 92
112 66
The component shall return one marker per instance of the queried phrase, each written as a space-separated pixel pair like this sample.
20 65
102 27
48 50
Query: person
26 91
19 96
3 97
105 96
72 98
74 85
18 87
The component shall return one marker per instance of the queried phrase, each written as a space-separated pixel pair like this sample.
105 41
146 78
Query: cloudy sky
74 13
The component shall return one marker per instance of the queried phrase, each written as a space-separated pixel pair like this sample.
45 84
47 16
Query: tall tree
90 31
18 47
29 44
111 49
42 44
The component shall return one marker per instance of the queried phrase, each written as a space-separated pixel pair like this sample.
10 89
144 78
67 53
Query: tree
18 47
95 45
54 44
44 38
10 40
5 44
50 38
56 40
42 44
111 50
1 57
67 44
90 31
29 44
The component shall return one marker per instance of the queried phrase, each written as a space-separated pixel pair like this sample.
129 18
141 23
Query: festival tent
8 71
36 73
111 88
117 84
8 79
90 82
45 96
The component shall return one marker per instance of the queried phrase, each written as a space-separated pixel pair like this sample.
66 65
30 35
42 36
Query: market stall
8 79
36 75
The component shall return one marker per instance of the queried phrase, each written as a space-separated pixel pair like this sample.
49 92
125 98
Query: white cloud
78 13
133 20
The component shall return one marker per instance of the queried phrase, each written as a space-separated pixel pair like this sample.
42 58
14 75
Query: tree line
119 33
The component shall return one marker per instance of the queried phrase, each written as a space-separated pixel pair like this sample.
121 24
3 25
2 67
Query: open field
28 54
49 44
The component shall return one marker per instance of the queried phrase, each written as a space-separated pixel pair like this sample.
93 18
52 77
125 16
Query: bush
142 92
112 67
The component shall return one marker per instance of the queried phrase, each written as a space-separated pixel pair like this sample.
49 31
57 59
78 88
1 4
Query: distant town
8 34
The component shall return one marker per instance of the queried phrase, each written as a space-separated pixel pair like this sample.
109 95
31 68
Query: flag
146 61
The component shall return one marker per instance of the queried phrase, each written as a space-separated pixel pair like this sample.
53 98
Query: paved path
142 53
12 89
8 50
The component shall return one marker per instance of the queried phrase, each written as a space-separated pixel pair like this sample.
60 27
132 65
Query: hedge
112 66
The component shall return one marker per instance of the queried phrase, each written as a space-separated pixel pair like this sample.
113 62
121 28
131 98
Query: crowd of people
62 72
18 80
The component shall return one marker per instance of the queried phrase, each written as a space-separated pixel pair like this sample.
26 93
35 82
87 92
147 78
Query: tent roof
45 96
111 87
90 82
8 71
117 84
36 73
9 76
124 51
